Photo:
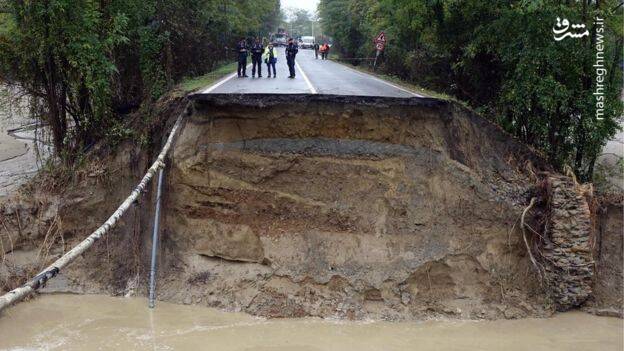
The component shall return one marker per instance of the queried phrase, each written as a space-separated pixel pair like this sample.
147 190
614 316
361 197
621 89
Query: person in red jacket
324 51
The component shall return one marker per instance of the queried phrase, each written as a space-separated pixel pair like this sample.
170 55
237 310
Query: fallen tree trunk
52 270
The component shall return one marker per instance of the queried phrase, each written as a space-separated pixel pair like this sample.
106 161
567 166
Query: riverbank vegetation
86 64
500 58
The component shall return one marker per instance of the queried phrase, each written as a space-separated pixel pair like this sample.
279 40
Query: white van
307 42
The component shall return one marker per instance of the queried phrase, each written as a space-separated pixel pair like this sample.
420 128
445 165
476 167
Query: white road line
381 80
312 89
221 82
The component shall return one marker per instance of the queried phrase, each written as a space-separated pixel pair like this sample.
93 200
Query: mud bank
324 206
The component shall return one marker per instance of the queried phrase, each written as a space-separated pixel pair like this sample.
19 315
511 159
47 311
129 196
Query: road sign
380 42
381 38
380 45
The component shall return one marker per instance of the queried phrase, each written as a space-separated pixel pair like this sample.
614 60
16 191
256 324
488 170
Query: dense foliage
501 58
85 63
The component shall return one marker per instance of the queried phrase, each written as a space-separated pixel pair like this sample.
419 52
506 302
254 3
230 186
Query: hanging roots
523 226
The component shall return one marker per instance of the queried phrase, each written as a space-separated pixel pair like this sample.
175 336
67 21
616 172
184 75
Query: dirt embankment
354 208
608 297
323 206
58 208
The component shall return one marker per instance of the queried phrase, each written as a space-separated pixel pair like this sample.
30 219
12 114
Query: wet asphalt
313 76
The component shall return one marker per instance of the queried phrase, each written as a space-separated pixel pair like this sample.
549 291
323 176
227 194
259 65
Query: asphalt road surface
312 77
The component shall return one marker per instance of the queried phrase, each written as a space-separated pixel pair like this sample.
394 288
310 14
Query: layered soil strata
351 207
294 205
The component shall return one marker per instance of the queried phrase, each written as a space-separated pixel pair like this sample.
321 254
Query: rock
228 241
406 298
131 286
514 313
608 312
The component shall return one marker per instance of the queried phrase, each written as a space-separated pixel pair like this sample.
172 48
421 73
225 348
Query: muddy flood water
71 322
18 155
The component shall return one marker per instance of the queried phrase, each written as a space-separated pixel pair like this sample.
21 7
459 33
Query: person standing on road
324 51
241 48
316 49
291 53
270 58
256 58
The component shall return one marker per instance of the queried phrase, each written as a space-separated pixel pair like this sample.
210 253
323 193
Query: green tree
501 58
85 63
60 52
300 23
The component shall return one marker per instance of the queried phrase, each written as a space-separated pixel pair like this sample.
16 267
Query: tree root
537 266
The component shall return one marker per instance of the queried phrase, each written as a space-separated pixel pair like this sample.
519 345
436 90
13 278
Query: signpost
380 45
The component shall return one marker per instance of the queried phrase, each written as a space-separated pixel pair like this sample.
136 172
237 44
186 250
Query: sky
309 5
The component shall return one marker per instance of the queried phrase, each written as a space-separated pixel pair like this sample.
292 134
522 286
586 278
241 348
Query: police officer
256 58
241 48
291 52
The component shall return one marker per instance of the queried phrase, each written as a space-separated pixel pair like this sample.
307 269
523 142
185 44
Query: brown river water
91 322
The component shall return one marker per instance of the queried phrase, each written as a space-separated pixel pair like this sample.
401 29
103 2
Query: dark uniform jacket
242 50
257 49
292 50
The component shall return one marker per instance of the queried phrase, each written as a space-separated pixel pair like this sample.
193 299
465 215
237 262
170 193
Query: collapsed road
314 197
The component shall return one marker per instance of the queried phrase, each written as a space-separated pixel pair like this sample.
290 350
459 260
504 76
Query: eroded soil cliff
355 207
326 206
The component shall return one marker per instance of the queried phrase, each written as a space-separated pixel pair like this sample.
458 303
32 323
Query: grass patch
192 84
